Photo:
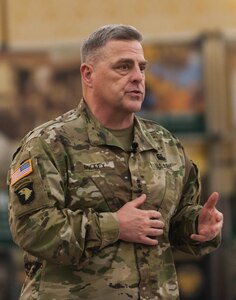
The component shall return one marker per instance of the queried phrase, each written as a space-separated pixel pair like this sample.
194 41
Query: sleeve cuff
109 228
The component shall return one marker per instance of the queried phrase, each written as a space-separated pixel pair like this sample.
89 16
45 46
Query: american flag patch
23 170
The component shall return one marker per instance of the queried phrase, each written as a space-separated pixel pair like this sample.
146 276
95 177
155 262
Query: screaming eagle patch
25 193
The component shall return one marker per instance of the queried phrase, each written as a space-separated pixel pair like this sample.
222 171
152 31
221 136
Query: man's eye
142 68
124 67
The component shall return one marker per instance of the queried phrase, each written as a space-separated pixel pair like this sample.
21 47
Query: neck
111 119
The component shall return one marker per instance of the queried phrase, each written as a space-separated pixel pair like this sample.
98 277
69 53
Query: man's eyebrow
129 60
144 62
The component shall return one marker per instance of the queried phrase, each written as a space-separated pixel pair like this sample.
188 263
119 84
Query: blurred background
190 89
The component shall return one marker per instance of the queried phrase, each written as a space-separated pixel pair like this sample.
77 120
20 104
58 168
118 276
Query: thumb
139 201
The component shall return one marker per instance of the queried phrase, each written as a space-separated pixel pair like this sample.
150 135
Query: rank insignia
25 193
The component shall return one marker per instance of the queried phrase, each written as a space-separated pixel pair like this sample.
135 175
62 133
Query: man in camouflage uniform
98 196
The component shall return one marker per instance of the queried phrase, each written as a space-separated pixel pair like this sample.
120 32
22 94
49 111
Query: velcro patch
23 170
25 194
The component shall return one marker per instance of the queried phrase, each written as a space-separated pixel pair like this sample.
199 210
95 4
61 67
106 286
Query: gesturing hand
137 225
210 220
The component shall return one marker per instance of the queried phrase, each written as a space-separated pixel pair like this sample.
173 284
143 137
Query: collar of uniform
142 136
99 135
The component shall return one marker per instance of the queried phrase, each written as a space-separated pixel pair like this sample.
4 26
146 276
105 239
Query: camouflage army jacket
66 182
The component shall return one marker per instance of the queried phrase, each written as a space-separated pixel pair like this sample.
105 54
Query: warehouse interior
190 89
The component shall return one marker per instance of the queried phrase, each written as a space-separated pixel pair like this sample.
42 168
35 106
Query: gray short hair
106 33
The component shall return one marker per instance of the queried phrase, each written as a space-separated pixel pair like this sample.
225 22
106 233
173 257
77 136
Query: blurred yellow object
190 279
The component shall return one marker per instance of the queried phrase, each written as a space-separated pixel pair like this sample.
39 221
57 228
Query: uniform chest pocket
114 187
102 190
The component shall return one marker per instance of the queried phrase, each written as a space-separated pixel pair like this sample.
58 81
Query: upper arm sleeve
40 221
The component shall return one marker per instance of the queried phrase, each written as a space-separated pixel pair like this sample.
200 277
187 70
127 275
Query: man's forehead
123 48
124 44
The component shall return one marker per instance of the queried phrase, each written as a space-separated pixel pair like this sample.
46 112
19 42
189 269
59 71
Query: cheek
117 86
100 82
106 83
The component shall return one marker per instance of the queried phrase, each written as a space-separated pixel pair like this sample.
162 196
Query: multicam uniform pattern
63 212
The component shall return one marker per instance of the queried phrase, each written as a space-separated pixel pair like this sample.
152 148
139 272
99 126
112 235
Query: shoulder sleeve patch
22 171
26 193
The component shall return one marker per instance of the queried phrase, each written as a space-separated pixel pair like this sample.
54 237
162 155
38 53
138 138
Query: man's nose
137 75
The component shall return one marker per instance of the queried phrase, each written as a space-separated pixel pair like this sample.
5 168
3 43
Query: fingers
154 229
209 233
203 237
152 214
219 217
139 225
149 241
199 238
150 238
154 232
212 200
151 230
156 224
138 201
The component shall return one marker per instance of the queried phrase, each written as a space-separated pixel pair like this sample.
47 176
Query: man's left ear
86 71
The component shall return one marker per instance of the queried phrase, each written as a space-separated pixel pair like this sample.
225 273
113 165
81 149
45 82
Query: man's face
118 77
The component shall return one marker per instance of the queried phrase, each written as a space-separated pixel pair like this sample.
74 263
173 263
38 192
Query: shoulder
52 134
55 126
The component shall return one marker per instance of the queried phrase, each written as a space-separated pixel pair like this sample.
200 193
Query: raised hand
210 220
137 225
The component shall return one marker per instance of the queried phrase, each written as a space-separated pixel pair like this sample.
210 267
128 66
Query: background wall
36 23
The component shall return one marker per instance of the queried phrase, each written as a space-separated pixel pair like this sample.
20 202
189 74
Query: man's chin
136 106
